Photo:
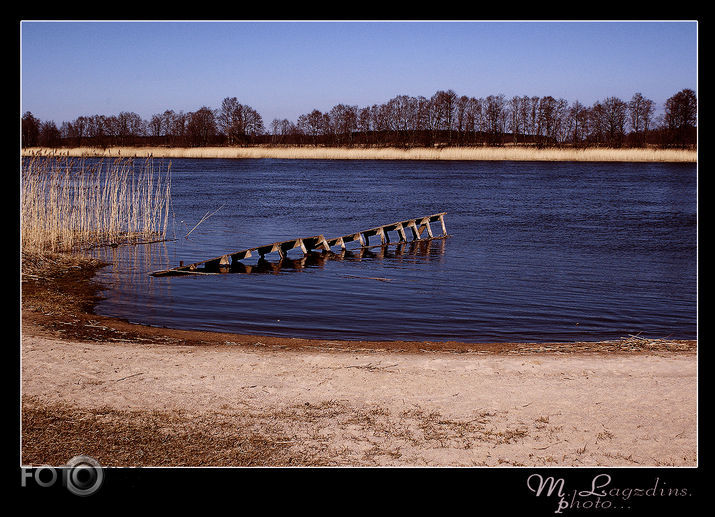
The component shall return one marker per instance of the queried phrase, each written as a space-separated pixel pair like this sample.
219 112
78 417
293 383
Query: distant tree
681 112
76 131
616 112
534 118
443 104
313 125
96 130
30 130
577 122
167 121
129 126
178 127
201 127
547 119
364 125
160 126
516 122
524 106
495 117
467 120
253 123
476 116
640 114
49 135
156 126
343 122
238 123
401 114
597 125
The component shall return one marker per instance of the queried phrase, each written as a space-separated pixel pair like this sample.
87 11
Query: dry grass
516 153
329 433
68 205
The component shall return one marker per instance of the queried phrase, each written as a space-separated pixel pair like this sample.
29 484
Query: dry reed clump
507 152
69 205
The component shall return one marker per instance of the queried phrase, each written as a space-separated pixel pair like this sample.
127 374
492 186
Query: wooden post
429 230
444 228
401 232
415 232
322 242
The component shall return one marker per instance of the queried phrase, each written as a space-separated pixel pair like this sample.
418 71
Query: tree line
445 119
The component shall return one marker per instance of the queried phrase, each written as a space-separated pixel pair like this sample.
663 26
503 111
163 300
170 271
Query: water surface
538 251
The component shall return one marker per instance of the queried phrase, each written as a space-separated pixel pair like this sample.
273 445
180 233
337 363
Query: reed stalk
70 205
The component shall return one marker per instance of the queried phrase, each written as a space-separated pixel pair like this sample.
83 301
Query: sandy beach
130 395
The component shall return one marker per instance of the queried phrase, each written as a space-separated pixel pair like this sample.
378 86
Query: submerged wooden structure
416 228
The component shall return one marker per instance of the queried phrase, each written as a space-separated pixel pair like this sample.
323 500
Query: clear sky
286 68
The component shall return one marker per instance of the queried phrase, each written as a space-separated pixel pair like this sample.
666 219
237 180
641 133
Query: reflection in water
130 262
425 249
127 269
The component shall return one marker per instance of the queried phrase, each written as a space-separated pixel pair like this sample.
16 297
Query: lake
538 251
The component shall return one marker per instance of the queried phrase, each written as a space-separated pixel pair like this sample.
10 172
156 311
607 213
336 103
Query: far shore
505 153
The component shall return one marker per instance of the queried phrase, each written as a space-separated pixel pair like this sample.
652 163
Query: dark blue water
538 251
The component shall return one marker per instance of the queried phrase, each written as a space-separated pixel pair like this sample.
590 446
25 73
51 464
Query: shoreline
133 395
504 153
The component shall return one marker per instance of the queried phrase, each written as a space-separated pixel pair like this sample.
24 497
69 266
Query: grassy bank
515 153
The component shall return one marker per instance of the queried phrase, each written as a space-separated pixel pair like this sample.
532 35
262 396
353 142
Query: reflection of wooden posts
307 244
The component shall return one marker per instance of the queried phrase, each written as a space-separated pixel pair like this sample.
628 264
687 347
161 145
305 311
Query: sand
257 404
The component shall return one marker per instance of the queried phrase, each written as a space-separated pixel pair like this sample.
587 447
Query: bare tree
577 122
516 123
314 124
495 117
156 126
201 127
30 130
681 112
49 134
343 122
640 114
443 103
615 111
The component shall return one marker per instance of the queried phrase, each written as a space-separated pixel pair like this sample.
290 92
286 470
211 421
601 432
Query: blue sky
285 69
